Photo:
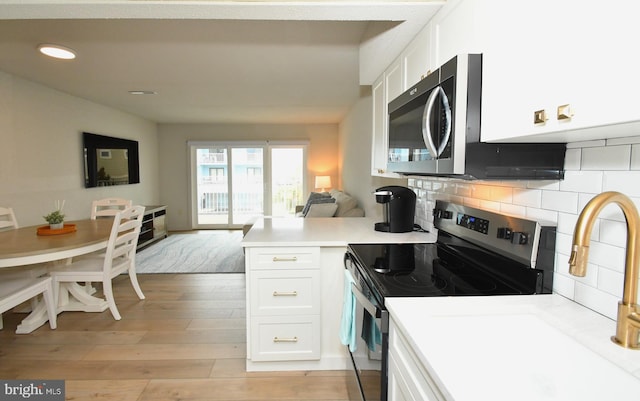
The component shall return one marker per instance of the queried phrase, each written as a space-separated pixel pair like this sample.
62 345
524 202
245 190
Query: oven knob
519 238
504 232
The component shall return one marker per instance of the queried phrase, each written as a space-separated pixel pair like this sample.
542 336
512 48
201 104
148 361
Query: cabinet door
408 379
454 30
417 59
550 54
393 82
379 135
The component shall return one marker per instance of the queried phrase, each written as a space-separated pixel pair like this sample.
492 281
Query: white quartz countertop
323 231
538 347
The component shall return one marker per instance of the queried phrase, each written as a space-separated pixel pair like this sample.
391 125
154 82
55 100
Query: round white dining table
25 247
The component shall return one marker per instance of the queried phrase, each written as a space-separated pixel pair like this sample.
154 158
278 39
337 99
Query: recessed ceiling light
142 92
57 51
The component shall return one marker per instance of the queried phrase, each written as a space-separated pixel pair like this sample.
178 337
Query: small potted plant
56 218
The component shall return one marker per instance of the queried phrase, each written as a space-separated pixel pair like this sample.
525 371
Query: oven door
369 380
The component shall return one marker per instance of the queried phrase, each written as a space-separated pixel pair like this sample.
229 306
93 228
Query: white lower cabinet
408 379
283 299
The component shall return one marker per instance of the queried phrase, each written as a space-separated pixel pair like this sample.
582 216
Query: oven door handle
362 299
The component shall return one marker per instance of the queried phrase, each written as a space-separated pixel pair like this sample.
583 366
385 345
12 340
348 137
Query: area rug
199 252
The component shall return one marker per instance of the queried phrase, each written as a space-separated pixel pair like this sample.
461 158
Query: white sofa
335 203
340 204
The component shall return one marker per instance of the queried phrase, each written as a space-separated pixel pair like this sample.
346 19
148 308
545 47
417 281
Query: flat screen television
109 161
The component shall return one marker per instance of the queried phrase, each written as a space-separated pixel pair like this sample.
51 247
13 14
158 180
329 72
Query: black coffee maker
399 209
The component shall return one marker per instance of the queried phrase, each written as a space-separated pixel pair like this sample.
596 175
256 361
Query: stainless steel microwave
434 129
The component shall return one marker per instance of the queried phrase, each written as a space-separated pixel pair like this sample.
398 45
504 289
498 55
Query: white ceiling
211 61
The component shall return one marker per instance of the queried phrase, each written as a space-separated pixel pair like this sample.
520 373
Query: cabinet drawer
284 258
285 292
285 338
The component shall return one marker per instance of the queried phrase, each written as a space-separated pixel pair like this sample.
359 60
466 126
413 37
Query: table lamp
323 181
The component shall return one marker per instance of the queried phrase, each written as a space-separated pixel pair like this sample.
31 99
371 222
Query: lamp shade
323 182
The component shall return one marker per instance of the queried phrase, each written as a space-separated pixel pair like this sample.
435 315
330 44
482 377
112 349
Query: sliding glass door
233 182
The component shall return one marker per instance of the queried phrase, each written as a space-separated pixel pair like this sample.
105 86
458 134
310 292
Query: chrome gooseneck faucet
628 324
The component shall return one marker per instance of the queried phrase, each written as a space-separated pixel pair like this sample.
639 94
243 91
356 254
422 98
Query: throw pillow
313 196
322 210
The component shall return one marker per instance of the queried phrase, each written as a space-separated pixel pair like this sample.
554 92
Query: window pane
287 167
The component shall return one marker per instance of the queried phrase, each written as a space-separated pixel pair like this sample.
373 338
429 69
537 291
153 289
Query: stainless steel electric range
477 253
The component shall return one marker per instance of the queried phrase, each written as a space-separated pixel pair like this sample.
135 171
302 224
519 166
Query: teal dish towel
348 322
371 334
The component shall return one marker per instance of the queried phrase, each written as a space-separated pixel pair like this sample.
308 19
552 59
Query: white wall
41 157
322 158
591 168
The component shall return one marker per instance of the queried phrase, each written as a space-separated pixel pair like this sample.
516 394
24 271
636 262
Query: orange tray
46 230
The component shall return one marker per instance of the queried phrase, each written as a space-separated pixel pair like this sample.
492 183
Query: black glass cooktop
451 267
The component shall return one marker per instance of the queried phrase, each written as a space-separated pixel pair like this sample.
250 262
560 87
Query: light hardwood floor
186 341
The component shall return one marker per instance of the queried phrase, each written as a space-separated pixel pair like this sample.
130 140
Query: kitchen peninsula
295 283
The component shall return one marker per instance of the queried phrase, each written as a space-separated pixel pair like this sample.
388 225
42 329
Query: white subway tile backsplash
611 282
550 216
635 157
564 286
597 300
590 168
613 233
572 159
515 210
582 181
622 181
527 197
607 255
560 201
623 141
606 158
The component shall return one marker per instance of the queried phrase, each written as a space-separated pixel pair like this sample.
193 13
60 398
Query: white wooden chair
16 290
108 207
7 219
118 258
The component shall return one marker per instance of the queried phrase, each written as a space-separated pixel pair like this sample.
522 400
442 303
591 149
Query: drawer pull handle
285 340
279 259
285 294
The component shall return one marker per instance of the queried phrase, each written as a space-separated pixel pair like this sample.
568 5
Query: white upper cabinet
417 58
384 89
454 30
558 71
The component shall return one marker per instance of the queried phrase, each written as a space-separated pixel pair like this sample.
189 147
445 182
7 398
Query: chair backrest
123 240
7 218
108 207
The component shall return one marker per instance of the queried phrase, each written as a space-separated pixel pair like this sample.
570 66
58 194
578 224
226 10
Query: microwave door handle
426 127
448 120
364 301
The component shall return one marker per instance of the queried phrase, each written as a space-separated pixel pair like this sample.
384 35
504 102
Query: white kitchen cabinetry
384 89
454 31
294 306
408 379
284 304
569 60
417 58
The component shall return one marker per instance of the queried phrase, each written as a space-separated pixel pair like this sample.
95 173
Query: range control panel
512 236
473 223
